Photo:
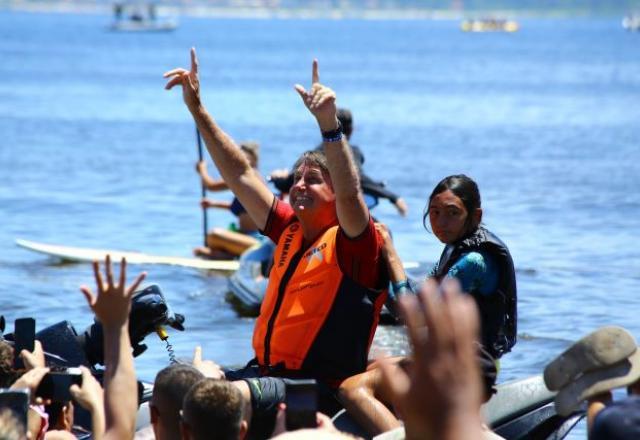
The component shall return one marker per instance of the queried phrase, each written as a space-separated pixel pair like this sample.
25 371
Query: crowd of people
333 269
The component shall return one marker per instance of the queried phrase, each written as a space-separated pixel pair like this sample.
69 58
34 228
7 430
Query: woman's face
448 217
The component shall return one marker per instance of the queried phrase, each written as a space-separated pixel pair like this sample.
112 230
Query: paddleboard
78 254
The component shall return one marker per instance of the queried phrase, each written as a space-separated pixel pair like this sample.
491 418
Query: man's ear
66 416
244 429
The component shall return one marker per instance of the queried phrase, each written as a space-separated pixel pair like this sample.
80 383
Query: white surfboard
77 254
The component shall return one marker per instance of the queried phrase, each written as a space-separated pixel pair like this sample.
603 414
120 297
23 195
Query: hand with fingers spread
208 368
439 396
189 81
320 100
113 301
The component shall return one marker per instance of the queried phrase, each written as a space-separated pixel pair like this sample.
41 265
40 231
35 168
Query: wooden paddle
204 190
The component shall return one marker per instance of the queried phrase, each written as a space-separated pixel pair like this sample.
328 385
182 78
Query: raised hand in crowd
320 100
325 425
111 306
90 396
439 397
189 81
33 359
208 368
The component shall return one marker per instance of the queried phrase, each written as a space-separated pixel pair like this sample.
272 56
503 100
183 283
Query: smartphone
302 404
18 402
24 338
55 384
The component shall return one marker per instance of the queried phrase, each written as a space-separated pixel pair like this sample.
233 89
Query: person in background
477 258
483 266
327 280
589 370
372 189
213 409
229 243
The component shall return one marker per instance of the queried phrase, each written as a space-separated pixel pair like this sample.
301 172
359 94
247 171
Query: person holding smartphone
327 284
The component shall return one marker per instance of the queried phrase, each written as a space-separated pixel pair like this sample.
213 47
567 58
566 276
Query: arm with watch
353 214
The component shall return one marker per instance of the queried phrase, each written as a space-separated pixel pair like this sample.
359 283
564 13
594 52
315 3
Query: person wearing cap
589 370
232 242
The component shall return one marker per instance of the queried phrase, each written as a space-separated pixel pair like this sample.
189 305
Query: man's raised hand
320 100
113 301
189 81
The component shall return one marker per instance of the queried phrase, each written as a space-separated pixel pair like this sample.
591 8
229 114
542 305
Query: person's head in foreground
454 208
213 407
170 387
589 370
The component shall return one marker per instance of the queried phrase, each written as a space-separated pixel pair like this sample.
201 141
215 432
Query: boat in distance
489 25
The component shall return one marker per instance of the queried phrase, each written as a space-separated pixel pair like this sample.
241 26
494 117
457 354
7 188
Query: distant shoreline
301 13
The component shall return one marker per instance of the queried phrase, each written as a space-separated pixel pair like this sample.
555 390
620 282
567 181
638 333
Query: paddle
204 190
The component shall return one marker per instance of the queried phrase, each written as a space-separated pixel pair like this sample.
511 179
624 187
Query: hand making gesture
189 81
320 100
440 394
113 302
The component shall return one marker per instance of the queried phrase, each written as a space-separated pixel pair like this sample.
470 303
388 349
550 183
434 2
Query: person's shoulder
620 419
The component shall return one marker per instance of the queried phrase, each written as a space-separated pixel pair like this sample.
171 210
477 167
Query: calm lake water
94 152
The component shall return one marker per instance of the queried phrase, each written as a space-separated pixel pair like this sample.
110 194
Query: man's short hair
213 406
315 158
170 386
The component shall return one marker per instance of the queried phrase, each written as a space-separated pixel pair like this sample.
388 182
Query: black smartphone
18 402
302 404
24 338
55 384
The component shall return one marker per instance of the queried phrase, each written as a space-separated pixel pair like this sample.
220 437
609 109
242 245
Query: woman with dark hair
476 257
481 263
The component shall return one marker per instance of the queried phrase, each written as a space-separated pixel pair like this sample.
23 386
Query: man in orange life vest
326 286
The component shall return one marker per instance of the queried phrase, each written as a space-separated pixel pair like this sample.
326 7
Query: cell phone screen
24 338
302 404
18 402
55 384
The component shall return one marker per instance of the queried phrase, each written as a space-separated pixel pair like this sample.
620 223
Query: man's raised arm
351 208
234 167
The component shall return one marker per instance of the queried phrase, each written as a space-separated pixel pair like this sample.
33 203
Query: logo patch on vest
315 253
287 244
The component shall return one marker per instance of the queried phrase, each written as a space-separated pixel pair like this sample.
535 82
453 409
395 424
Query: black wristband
333 135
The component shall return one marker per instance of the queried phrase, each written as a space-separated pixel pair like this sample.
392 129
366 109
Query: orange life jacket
314 319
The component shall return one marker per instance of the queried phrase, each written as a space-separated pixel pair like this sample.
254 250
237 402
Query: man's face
311 191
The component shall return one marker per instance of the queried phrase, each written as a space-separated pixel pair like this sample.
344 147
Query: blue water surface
94 152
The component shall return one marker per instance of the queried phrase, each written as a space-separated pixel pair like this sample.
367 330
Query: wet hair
252 149
315 158
346 119
213 406
466 189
